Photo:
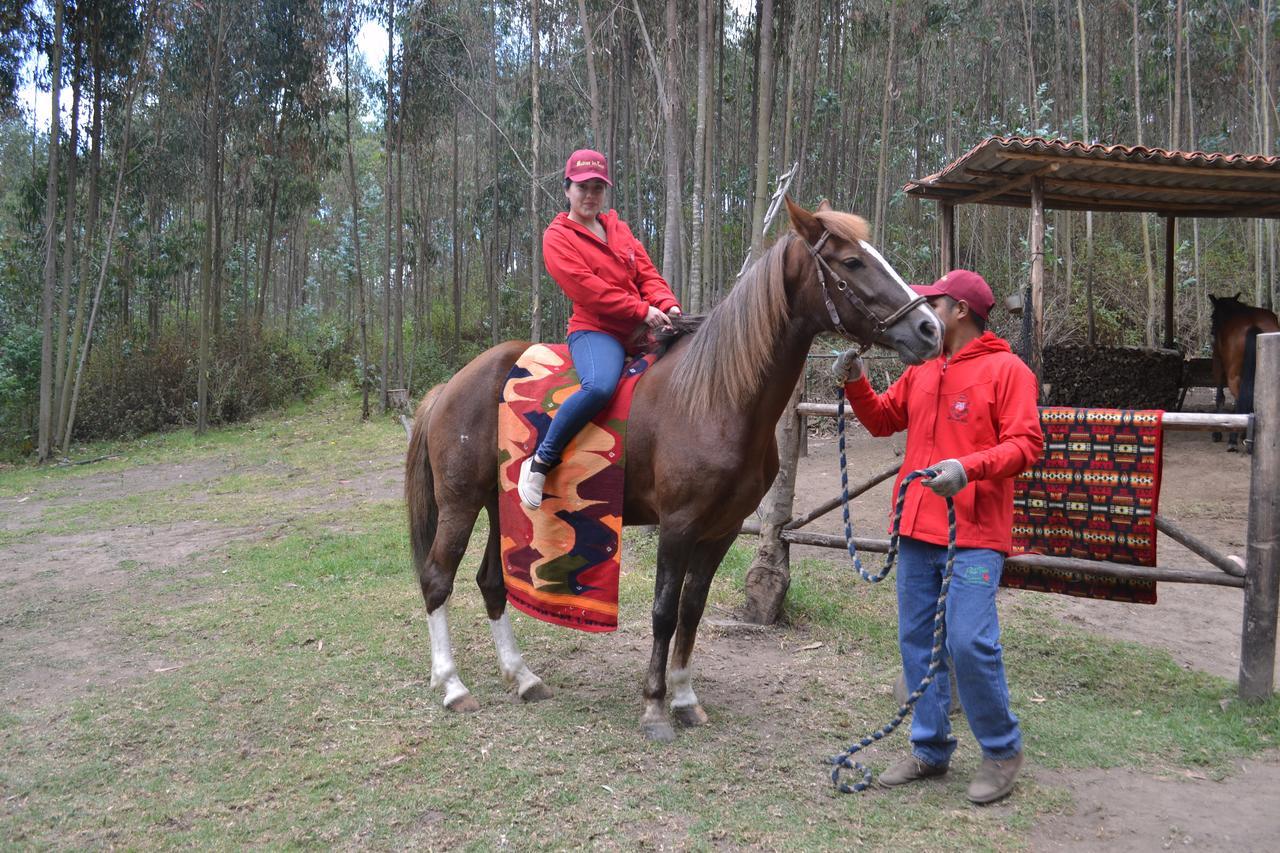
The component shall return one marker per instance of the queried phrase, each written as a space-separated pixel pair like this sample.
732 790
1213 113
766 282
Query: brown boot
909 769
994 779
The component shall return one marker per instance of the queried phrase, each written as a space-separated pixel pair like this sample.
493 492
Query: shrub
128 391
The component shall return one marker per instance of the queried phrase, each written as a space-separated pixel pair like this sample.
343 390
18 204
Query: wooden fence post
1262 563
770 574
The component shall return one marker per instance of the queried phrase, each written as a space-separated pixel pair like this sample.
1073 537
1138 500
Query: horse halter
827 276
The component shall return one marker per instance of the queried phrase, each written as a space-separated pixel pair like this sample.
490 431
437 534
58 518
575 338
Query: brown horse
1235 328
700 444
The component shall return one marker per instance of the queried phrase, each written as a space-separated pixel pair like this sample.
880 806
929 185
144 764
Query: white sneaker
530 484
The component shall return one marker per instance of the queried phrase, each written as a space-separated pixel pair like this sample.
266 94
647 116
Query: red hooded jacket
612 284
978 407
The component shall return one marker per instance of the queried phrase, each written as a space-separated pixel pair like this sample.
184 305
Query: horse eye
852 263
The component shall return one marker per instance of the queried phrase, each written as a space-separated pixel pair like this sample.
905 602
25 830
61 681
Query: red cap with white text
585 164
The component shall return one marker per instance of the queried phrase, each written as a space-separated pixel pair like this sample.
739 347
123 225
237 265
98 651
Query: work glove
848 366
948 478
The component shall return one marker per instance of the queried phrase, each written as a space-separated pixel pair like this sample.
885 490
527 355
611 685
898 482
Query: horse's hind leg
685 707
436 577
529 687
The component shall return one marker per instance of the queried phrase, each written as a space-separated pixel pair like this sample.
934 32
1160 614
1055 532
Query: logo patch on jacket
958 409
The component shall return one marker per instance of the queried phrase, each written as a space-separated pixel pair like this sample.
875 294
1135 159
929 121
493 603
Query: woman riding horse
603 269
700 449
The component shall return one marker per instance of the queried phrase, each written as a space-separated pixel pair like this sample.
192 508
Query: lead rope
844 761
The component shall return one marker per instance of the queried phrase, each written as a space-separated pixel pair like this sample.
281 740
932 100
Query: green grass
299 711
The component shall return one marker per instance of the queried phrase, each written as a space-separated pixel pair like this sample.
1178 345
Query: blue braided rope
844 761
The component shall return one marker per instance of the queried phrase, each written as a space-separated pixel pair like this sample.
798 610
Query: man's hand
848 366
948 478
655 319
674 311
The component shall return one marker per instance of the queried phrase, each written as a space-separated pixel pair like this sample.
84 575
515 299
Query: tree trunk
354 189
212 133
593 89
90 226
885 102
388 201
140 75
46 425
1088 216
68 253
764 112
769 577
1143 217
535 231
696 247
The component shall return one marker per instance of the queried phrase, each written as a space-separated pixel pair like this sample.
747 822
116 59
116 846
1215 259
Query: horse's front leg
1219 399
685 707
673 559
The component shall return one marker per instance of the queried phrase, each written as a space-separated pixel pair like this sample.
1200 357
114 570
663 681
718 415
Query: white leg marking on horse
443 670
510 661
680 683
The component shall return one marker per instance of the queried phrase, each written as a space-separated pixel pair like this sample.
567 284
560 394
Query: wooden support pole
769 577
947 257
1037 278
1199 547
1262 562
1170 235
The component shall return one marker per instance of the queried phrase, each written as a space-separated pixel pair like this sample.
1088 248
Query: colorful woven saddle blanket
1094 494
561 561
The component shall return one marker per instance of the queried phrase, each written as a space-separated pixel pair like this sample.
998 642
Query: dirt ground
63 593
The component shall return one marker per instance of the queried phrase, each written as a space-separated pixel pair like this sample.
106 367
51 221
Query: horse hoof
464 704
1231 448
689 716
659 731
536 692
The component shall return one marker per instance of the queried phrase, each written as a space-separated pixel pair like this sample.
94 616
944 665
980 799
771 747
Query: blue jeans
972 642
598 358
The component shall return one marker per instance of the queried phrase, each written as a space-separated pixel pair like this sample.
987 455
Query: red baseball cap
585 164
962 284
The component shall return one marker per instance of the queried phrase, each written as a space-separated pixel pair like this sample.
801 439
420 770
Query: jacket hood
562 220
987 342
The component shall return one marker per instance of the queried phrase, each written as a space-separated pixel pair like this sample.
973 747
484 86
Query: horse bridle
827 276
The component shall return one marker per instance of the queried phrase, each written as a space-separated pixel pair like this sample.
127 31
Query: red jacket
978 407
612 284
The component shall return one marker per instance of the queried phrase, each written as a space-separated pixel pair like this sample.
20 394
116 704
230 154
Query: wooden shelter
1053 174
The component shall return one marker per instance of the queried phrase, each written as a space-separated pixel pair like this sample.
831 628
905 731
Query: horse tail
419 483
1244 402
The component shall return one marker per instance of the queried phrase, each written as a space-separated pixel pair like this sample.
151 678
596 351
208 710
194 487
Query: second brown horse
1235 327
700 444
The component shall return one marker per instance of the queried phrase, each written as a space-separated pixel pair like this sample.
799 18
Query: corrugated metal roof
1083 176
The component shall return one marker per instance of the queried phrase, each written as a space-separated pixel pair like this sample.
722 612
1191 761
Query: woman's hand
655 319
674 311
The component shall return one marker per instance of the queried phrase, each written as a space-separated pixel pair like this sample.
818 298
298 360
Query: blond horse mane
726 358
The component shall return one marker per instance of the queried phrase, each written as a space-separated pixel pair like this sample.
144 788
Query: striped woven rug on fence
1094 495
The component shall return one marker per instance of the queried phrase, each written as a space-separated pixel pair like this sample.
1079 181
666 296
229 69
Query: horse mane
728 354
847 226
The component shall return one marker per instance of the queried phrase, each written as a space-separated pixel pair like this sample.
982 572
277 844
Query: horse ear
803 222
824 206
